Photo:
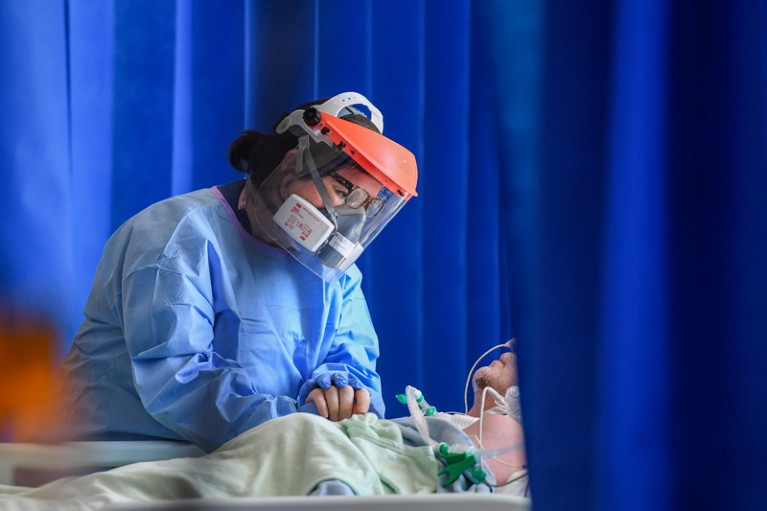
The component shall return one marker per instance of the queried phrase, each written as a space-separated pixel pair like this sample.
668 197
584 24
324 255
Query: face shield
331 196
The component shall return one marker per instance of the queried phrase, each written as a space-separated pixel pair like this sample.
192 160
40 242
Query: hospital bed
30 464
37 464
425 502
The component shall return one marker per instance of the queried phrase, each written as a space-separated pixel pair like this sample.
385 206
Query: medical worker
214 311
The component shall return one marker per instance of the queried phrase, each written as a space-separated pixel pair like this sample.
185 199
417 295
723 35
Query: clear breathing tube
507 344
493 453
418 408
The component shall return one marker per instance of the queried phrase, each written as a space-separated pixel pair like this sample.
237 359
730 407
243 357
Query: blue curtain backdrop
114 105
592 182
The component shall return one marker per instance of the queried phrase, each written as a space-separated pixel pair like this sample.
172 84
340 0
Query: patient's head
500 374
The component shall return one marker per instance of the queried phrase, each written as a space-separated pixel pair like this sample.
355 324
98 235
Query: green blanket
291 455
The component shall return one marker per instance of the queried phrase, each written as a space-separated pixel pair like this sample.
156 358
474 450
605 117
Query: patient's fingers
337 404
331 397
362 401
345 402
317 396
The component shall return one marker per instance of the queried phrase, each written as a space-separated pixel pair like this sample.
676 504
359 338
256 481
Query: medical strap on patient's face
327 201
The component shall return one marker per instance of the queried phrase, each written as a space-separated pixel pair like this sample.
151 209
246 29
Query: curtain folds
126 103
640 291
37 262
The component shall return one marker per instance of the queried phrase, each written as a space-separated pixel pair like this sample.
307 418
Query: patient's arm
499 431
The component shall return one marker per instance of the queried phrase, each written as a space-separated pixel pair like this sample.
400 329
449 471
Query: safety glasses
358 197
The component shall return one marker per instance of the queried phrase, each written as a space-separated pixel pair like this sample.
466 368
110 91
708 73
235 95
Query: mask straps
303 149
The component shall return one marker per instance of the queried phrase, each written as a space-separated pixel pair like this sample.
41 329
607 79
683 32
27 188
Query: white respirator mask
333 194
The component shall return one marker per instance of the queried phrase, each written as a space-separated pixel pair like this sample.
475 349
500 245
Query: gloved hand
337 398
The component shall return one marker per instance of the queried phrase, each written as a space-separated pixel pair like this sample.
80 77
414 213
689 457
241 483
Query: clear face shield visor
322 206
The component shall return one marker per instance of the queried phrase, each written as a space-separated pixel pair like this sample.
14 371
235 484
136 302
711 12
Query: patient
501 423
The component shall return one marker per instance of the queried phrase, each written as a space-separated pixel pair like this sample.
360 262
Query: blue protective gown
195 330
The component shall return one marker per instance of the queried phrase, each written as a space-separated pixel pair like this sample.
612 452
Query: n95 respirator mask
308 227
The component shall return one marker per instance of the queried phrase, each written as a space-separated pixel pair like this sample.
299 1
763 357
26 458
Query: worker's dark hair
258 154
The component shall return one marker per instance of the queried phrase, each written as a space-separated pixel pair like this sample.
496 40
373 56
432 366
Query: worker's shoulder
194 215
168 214
180 206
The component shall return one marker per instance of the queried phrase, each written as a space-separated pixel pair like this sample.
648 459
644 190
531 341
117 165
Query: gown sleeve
181 380
354 351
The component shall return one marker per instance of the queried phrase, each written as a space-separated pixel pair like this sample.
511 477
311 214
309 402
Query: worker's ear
289 160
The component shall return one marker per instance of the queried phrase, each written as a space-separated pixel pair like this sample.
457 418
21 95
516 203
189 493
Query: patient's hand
339 403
